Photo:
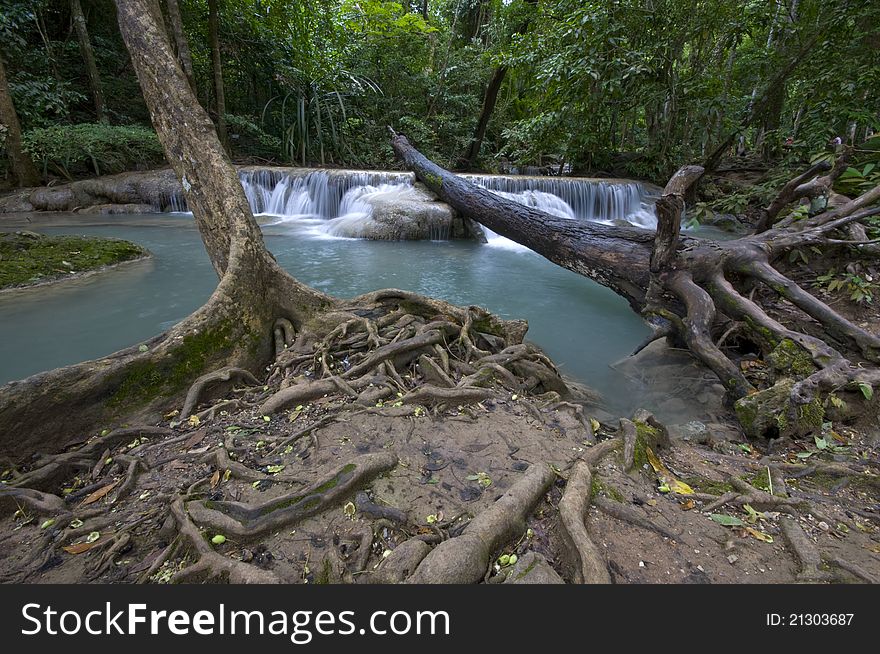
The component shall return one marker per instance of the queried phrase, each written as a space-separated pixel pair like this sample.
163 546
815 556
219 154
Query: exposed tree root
464 559
210 564
590 567
248 521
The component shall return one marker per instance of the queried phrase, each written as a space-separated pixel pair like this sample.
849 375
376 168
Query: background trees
631 87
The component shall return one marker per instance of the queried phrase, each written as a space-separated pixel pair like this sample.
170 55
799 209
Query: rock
768 413
112 209
532 568
406 214
726 222
693 432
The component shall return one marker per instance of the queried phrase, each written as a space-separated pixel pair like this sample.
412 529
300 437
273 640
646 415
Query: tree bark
88 55
234 328
23 168
180 42
616 257
687 286
217 68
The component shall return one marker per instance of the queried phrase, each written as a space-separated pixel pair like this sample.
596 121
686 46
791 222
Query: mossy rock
768 413
27 258
790 359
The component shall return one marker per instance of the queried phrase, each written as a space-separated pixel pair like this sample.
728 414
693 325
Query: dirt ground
451 466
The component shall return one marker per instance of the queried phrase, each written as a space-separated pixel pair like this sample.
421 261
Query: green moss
710 486
646 435
527 570
27 258
791 359
760 480
323 577
146 380
767 411
433 181
609 491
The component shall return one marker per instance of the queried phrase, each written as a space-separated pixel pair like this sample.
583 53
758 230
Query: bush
250 140
97 148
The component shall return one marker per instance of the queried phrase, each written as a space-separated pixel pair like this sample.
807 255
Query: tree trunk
23 168
217 67
685 286
88 55
180 42
472 155
234 327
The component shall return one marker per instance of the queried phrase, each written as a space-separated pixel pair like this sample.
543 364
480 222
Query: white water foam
323 205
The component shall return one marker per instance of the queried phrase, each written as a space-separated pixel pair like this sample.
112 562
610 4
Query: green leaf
219 539
726 520
867 390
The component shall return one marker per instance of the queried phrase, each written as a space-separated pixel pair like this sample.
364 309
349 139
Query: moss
147 380
646 436
27 258
323 577
811 415
710 486
527 570
488 325
759 480
791 359
766 413
433 181
609 491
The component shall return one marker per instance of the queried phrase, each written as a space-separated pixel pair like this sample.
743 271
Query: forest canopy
631 87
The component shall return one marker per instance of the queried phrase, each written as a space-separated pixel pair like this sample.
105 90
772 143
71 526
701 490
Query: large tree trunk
217 68
234 327
23 168
180 42
88 55
688 287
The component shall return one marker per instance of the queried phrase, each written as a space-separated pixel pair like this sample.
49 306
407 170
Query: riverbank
29 259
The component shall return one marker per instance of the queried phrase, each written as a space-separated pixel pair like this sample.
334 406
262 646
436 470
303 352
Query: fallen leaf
688 505
668 480
215 479
79 548
760 535
194 420
195 439
727 520
98 494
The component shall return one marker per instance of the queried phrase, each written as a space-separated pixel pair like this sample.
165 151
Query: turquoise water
583 326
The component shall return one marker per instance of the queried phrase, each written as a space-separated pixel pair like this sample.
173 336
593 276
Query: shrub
98 148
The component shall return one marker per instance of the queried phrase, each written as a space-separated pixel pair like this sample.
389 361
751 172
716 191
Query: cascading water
341 203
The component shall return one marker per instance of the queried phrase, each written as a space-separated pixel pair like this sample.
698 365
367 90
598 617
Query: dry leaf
673 484
79 548
215 479
687 506
759 535
195 439
98 494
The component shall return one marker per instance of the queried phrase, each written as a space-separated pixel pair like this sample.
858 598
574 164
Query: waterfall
339 201
570 197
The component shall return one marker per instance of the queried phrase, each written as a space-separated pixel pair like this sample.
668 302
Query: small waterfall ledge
378 205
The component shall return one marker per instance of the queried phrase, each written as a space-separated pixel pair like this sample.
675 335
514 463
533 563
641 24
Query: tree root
589 567
464 559
248 521
211 563
213 381
626 514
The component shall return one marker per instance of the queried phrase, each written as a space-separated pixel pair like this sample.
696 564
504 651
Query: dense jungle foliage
630 87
